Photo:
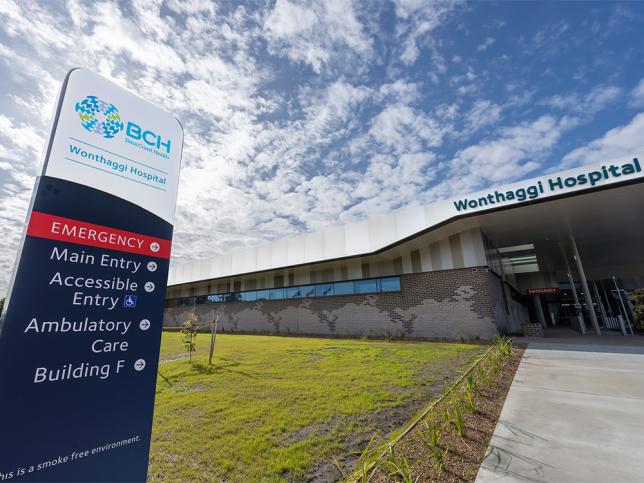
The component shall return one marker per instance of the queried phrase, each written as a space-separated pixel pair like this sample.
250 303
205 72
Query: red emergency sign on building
542 290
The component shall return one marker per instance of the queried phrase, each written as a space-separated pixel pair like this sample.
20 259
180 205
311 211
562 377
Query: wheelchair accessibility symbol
129 301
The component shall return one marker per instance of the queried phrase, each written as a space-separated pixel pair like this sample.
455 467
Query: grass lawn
282 408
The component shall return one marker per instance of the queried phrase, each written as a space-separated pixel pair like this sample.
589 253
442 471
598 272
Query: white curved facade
363 238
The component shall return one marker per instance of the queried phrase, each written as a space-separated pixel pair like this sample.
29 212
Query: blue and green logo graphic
99 116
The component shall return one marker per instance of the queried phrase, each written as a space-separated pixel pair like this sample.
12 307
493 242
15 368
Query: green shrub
398 467
457 418
503 345
431 435
468 395
471 384
439 456
637 299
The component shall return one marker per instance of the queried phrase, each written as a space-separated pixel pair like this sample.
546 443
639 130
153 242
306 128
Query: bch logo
99 116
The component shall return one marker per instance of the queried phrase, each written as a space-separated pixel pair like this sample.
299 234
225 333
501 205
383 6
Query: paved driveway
574 413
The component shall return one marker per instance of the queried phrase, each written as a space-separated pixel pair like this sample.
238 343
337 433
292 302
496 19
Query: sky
300 115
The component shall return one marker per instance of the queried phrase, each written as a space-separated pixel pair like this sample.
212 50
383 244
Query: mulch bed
463 456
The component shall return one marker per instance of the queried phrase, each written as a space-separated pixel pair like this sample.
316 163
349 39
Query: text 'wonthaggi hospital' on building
558 250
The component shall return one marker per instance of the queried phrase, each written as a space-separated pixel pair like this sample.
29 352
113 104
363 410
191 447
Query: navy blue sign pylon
81 328
63 393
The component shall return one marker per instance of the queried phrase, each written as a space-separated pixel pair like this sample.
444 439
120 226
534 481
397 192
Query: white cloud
20 148
391 182
483 113
550 34
401 91
317 32
420 19
288 19
619 144
191 6
602 96
587 105
333 105
448 112
487 43
637 95
514 153
402 129
19 142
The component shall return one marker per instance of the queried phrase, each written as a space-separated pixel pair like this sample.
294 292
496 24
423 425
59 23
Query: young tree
189 335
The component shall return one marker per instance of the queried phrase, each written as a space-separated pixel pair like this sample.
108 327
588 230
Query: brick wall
440 304
532 330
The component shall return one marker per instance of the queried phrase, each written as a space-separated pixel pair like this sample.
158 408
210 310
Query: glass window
187 301
324 290
386 284
294 293
366 286
308 291
248 296
391 284
343 288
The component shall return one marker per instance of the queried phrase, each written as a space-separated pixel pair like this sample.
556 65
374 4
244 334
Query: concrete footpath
574 413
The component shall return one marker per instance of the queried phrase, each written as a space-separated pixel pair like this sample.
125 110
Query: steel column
584 287
580 317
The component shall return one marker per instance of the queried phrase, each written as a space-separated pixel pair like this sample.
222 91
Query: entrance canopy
607 226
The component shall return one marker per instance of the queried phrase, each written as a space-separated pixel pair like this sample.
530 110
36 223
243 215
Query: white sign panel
111 140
